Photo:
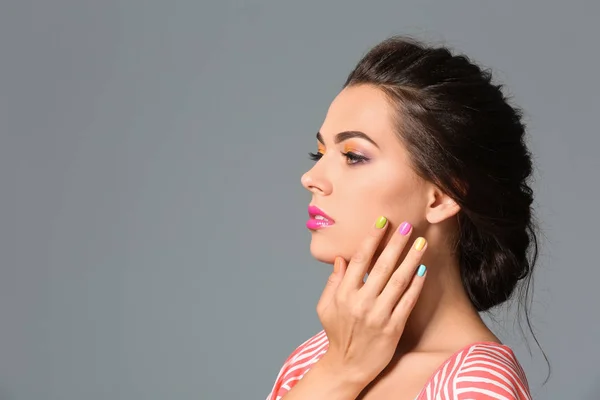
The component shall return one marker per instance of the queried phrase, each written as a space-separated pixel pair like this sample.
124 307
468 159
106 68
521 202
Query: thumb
333 282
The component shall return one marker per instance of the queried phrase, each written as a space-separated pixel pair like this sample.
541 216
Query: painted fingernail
380 222
337 263
421 270
420 243
405 228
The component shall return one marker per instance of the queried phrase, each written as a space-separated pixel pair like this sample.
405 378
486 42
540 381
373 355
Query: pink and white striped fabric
480 371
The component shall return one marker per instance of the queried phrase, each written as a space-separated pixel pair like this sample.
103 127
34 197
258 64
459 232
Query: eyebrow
342 136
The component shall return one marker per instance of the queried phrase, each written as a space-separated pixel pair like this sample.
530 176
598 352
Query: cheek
403 197
361 203
358 203
380 193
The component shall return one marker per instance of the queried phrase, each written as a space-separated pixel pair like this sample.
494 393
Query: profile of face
362 171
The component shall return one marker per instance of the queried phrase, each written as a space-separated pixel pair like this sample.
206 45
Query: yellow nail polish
420 243
380 222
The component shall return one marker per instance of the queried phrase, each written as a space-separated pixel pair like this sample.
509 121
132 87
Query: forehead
360 108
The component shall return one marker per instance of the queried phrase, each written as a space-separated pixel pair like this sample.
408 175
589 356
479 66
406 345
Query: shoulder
298 363
481 371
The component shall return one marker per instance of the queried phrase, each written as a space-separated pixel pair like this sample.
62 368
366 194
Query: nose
315 181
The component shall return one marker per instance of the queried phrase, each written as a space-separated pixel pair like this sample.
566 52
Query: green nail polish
421 270
381 222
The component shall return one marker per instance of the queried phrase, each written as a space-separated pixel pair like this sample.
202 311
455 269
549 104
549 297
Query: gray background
152 219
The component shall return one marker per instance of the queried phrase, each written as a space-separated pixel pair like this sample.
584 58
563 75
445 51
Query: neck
444 318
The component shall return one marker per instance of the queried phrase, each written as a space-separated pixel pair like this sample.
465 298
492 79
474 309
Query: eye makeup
320 148
351 151
353 155
353 148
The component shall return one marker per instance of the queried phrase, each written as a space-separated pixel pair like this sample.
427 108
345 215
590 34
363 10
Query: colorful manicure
380 222
337 263
405 228
421 270
420 243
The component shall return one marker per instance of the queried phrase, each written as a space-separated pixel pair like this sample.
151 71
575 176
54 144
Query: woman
420 182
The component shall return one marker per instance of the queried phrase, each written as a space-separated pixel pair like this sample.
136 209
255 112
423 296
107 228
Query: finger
403 276
388 260
361 260
333 282
409 299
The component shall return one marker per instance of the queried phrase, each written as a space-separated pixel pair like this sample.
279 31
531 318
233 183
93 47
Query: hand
365 320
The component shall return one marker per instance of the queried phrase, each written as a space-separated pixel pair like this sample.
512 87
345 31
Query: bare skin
390 334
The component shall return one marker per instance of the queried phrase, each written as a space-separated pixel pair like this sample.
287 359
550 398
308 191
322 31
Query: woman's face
363 172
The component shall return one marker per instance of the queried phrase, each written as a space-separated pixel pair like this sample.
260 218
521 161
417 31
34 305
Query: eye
353 158
315 156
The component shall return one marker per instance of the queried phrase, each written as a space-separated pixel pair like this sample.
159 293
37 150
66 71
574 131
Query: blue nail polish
421 270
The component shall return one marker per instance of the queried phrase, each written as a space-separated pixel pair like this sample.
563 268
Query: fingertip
420 244
381 222
405 228
337 264
379 228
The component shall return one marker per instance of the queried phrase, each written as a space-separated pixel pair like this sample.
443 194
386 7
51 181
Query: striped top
480 371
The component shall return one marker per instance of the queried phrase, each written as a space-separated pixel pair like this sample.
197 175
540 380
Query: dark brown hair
463 135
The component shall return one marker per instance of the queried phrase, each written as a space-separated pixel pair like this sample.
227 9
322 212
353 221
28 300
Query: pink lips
318 219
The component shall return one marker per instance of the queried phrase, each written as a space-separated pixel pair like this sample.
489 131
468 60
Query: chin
324 250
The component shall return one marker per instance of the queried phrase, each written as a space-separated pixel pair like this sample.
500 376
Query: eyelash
350 156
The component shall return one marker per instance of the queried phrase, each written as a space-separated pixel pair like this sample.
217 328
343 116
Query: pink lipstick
318 219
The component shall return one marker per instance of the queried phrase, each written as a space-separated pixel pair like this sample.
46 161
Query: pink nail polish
405 228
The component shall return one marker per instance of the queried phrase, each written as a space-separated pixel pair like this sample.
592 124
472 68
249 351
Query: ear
440 206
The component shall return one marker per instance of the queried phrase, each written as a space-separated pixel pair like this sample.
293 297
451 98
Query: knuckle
356 312
398 282
332 280
359 310
341 296
390 330
408 302
359 257
376 320
341 302
384 267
